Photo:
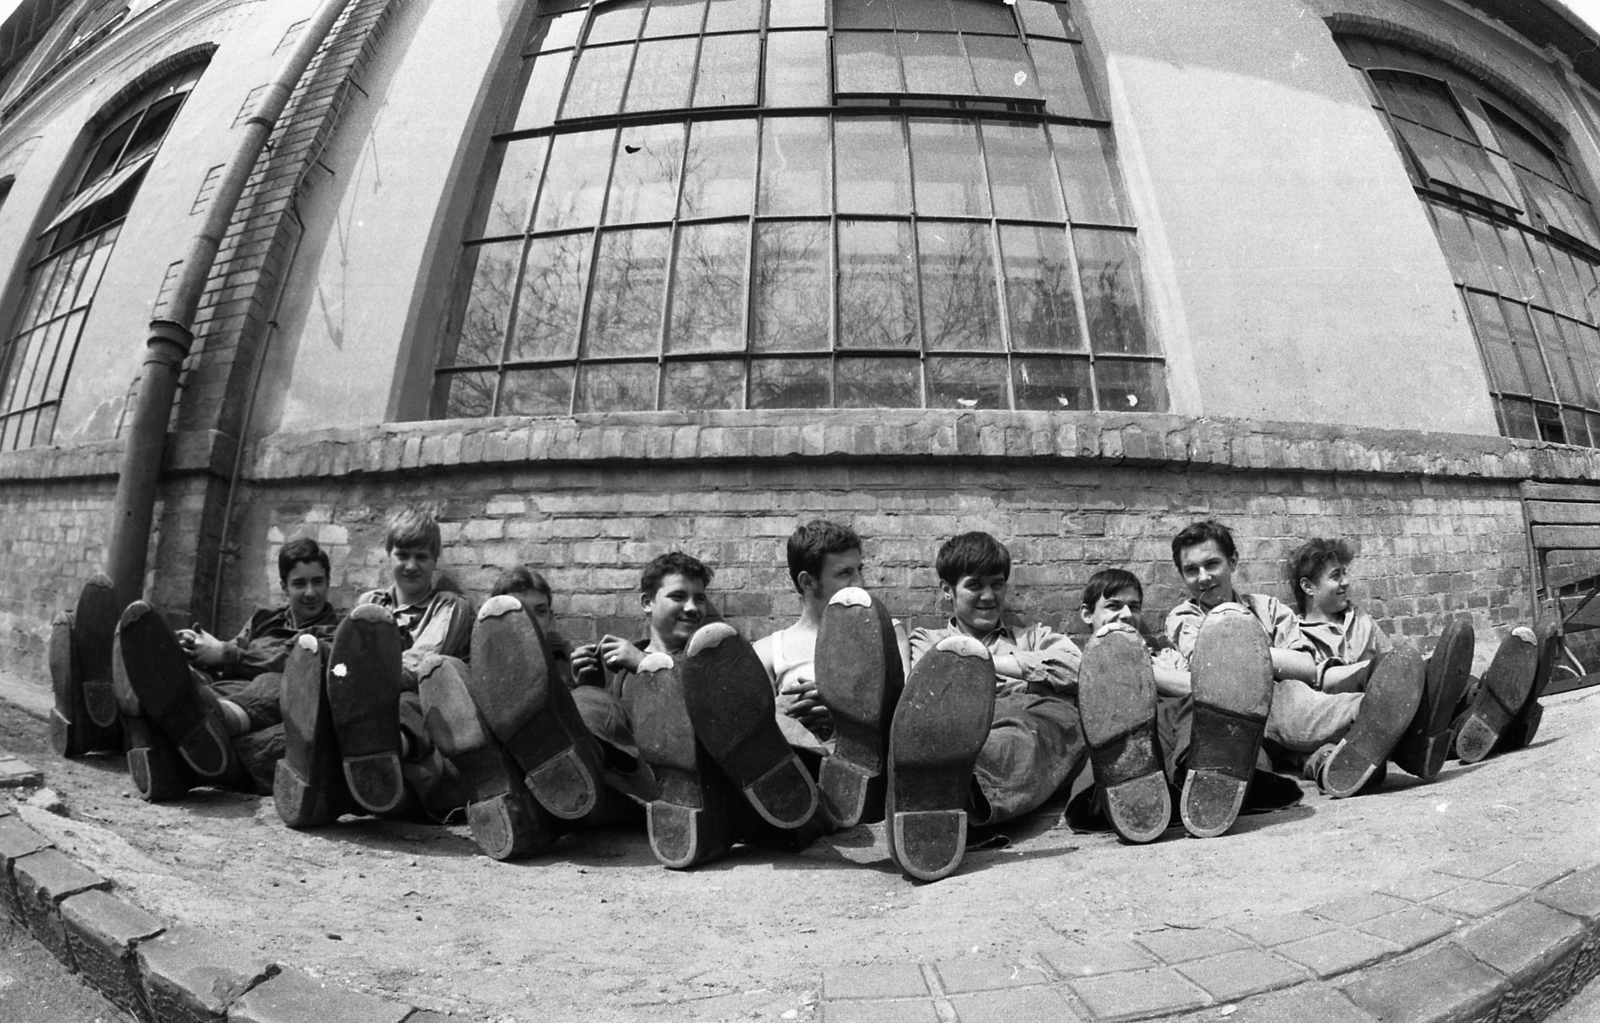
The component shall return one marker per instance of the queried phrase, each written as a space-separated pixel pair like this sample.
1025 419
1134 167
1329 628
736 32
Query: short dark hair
520 579
1310 559
673 563
974 554
1197 533
810 544
298 552
1109 582
413 526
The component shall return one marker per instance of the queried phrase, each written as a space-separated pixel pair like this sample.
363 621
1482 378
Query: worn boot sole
731 708
308 787
158 673
1507 683
939 728
1426 746
859 680
363 689
72 733
154 764
1393 694
85 718
1520 733
1232 673
690 821
1117 701
514 686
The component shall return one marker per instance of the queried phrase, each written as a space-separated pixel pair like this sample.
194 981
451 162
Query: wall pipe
172 336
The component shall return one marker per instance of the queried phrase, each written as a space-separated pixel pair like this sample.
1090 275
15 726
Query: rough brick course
102 931
43 879
191 976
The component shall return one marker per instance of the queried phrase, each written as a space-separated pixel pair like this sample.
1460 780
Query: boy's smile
1123 606
1208 573
306 586
980 601
412 568
1329 592
676 610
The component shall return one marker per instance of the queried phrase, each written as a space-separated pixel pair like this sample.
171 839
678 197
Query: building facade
603 279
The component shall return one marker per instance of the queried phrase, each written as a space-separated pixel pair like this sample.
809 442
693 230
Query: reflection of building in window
1518 233
42 340
690 206
97 20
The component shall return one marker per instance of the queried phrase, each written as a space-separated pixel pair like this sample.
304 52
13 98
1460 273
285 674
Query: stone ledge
188 452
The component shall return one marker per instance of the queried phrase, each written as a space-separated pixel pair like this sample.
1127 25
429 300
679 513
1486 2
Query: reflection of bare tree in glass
625 311
1039 295
551 298
958 287
708 288
1116 322
877 286
471 396
789 383
791 287
488 305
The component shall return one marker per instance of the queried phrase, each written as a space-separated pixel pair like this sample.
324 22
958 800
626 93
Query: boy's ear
946 591
1305 584
1086 613
806 582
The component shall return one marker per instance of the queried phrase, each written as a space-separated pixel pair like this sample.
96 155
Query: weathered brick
294 997
1442 984
102 931
43 879
191 976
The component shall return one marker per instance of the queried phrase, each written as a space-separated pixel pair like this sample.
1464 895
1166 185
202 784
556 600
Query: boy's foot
364 699
939 728
506 820
1232 672
1507 683
690 821
1423 750
308 785
515 688
733 713
85 714
159 675
1394 690
1117 700
859 679
1519 734
154 765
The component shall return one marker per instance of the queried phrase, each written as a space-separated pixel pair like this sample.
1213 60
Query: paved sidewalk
1473 899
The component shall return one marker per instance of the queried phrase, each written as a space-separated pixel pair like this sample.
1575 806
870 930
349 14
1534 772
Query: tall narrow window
704 204
1518 233
42 340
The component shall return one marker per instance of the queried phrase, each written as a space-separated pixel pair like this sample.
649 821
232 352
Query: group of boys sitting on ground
413 705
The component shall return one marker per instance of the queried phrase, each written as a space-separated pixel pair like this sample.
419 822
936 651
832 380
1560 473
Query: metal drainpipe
171 337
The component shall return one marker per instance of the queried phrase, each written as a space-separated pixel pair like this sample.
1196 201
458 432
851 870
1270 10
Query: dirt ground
596 930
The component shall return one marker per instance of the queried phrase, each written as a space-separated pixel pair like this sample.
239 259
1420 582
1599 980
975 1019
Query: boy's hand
201 646
620 655
1115 627
1038 665
800 701
586 665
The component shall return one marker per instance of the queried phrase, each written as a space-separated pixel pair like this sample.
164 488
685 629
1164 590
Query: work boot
1117 701
1423 749
859 680
186 710
157 770
363 688
691 820
84 717
1232 673
308 786
1393 693
1505 689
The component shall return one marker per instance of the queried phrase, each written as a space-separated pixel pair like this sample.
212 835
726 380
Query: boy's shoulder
1040 636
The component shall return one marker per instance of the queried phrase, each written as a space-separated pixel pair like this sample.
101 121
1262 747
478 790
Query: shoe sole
306 783
1507 683
939 728
1232 678
859 680
1394 691
1426 746
514 687
72 733
732 710
1117 702
94 626
363 691
690 821
1520 733
158 674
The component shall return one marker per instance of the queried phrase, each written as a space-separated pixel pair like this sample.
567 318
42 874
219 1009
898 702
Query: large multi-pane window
41 342
792 204
1517 231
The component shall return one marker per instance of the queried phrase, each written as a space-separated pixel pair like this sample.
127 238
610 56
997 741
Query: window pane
983 16
615 22
661 75
873 175
936 65
925 16
558 32
877 285
1052 385
537 392
728 66
959 305
878 383
674 18
789 383
947 169
575 185
734 16
629 288
704 385
794 166
1461 252
1518 419
867 62
1527 349
1131 386
708 288
1002 67
493 272
796 14
470 396
542 96
862 14
617 387
791 287
797 69
521 163
967 383
644 186
1021 171
1576 429
1554 347
1042 18
596 88
1505 373
719 172
550 302
1583 345
1040 298
1521 265
1062 79
1108 266
1572 285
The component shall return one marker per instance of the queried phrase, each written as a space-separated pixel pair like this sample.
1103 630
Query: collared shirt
1282 628
439 624
1061 678
264 642
1354 637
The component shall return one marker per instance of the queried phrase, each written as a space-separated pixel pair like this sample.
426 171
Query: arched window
1517 231
792 204
42 340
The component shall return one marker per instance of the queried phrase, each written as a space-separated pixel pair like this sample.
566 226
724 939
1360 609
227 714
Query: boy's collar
1003 629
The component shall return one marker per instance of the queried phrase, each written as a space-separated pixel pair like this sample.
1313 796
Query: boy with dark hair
198 708
533 591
